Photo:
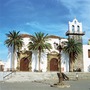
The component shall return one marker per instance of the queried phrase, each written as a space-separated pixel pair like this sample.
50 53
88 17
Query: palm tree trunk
39 59
13 57
71 62
71 67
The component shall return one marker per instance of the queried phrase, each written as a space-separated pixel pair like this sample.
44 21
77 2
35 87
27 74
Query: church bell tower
75 32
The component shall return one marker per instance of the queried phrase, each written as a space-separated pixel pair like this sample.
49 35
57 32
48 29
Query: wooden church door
24 64
54 64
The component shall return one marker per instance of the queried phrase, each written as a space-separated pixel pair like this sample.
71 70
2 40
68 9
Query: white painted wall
86 60
25 44
34 60
43 62
65 62
8 63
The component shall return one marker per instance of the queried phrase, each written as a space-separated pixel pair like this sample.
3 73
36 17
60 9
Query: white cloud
34 23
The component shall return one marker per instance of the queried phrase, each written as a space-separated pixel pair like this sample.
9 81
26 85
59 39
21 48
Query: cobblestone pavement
44 85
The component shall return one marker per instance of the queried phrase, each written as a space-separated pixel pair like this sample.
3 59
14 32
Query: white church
28 60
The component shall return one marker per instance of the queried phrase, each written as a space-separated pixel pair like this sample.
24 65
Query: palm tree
73 48
15 41
39 42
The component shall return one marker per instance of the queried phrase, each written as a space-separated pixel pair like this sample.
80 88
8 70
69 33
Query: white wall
25 44
8 63
43 62
34 60
86 60
64 62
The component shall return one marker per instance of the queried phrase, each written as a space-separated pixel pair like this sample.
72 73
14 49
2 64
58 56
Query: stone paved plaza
74 85
42 81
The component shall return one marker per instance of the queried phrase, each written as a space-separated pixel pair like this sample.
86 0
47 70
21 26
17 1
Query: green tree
73 48
14 40
39 42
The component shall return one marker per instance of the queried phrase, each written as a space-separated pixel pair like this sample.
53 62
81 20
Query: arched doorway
24 64
54 64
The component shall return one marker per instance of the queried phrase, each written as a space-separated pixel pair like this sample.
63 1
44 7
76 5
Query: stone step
33 76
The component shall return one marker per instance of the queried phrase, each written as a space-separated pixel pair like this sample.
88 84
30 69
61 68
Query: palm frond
74 47
39 42
13 39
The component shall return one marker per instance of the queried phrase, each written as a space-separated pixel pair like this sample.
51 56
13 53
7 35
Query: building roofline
54 36
25 35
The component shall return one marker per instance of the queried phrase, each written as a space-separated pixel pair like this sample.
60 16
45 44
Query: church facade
28 59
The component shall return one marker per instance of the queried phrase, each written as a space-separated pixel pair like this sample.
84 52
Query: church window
78 28
89 53
73 28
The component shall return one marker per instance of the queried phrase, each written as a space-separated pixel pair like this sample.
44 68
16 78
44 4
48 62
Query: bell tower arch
75 30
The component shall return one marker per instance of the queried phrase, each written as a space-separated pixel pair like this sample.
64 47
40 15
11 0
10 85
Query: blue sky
48 16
